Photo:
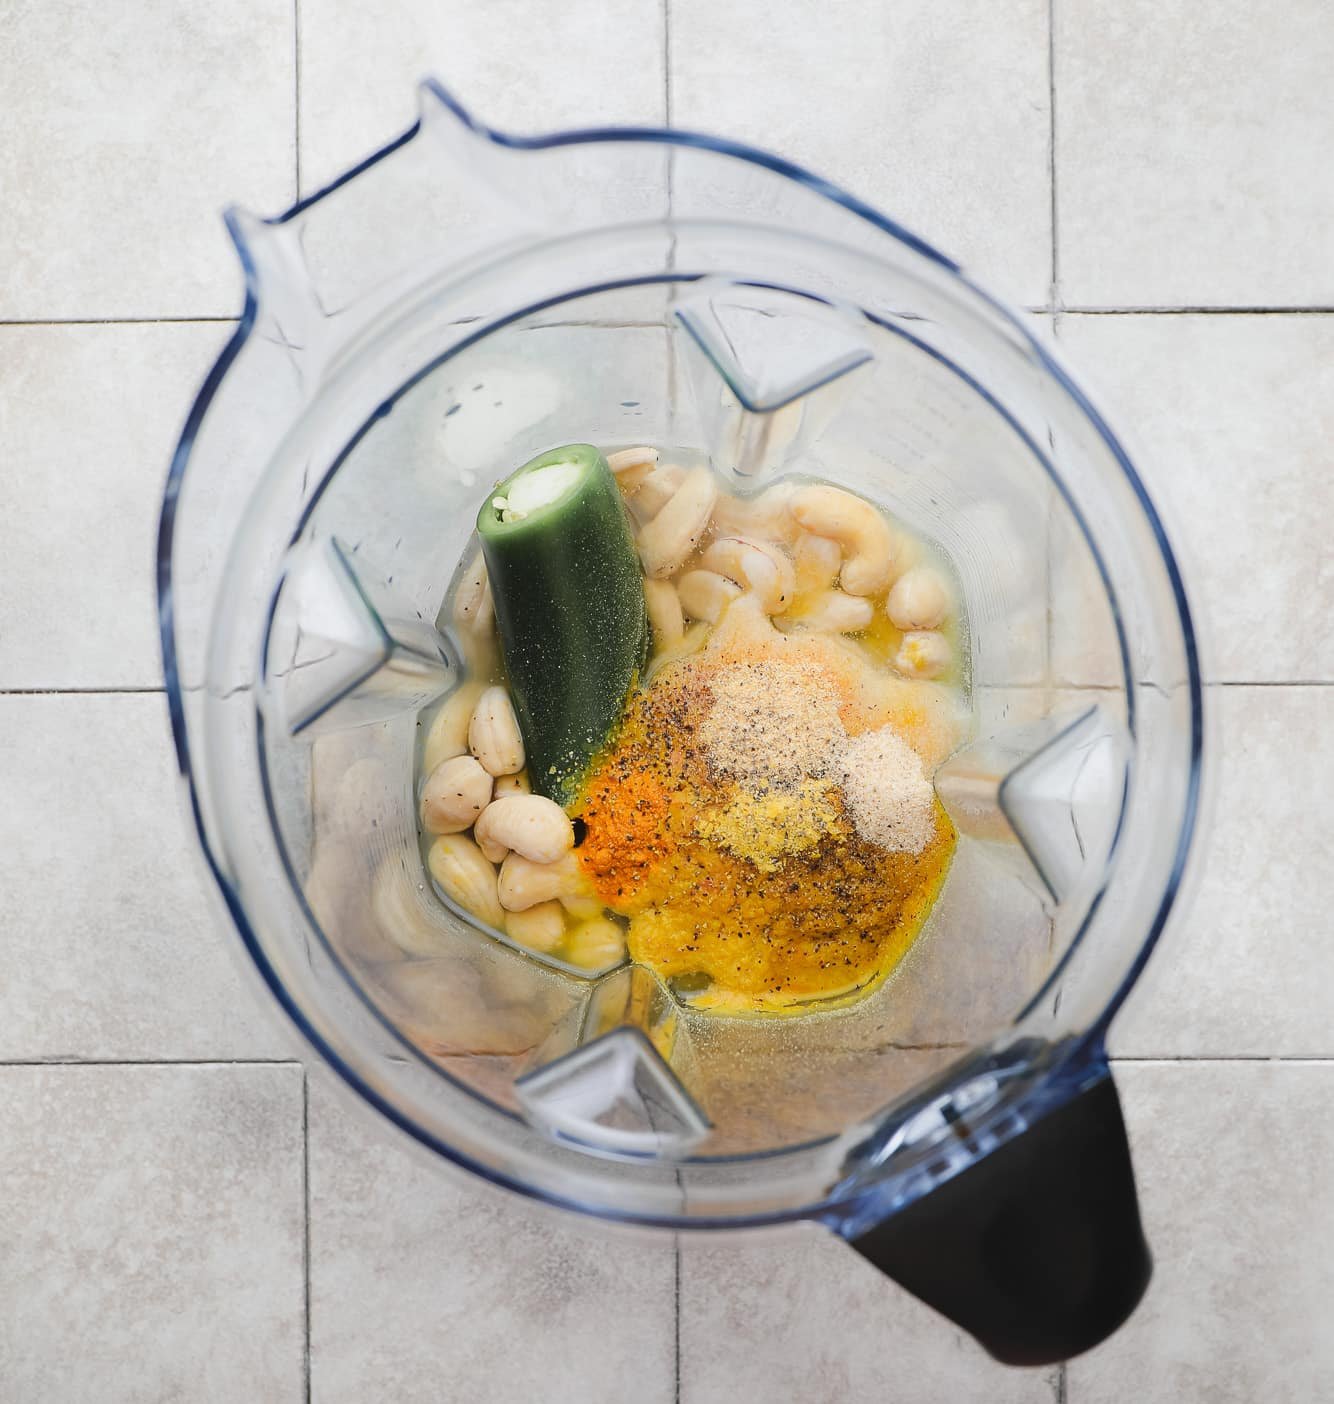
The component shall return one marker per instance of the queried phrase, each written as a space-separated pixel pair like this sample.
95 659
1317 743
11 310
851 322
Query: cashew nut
513 785
493 852
668 540
744 627
762 569
349 797
864 535
919 599
448 734
530 825
664 612
455 793
632 466
626 458
397 914
540 928
818 560
596 943
833 612
493 733
704 594
656 490
342 888
524 884
580 906
923 654
447 1010
474 609
463 874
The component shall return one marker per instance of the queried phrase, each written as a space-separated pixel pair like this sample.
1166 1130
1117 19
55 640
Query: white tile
1232 1162
111 950
428 1286
934 111
89 417
1192 151
151 1234
128 128
795 1313
1230 420
518 65
1246 966
1084 649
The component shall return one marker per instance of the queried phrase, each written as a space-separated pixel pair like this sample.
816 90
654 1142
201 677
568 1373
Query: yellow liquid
768 902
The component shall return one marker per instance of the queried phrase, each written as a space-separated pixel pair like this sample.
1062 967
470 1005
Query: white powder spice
887 792
773 721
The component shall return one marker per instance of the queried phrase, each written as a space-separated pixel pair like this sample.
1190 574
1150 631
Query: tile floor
188 1212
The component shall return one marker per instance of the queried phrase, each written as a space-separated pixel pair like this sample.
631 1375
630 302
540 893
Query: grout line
673 379
602 325
212 319
305 1191
1068 685
1267 682
1062 1383
1183 311
93 690
670 172
114 321
79 691
1049 577
1051 157
673 391
59 1061
676 1251
296 109
666 63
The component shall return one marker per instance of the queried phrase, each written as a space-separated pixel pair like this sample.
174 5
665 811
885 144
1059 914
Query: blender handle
1036 1250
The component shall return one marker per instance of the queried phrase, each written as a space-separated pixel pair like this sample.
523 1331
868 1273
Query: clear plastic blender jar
465 300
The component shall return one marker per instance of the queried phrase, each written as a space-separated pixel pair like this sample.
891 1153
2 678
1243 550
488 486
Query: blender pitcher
465 300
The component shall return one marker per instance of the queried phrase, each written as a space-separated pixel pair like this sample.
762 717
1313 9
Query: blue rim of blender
1077 1053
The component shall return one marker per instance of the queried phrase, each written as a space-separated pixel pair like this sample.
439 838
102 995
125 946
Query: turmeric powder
624 809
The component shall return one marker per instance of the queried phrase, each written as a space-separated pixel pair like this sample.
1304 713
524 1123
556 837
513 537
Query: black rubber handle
1036 1249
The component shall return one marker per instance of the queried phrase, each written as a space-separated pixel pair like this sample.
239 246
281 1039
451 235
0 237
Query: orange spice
625 833
624 809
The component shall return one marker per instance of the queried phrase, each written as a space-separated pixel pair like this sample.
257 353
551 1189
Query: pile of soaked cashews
811 555
500 852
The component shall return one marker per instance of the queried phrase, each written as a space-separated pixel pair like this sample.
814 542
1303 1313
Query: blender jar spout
444 197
